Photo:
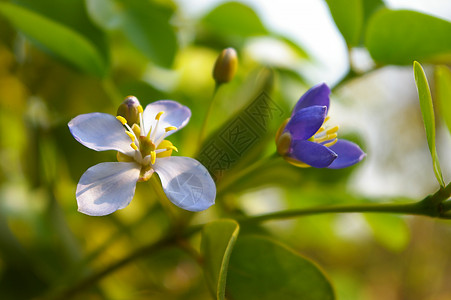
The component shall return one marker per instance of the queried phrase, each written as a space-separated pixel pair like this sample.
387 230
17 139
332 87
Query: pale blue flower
142 150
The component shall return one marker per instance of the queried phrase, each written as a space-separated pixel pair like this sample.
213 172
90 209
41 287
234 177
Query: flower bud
225 66
129 109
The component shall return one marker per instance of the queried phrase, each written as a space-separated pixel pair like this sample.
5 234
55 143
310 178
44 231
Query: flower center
147 145
326 135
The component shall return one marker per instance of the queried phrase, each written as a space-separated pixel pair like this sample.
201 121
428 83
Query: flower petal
317 95
306 122
186 182
313 154
107 187
175 114
100 132
348 154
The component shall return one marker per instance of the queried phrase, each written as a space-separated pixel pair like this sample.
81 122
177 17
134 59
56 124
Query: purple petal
317 95
175 114
107 187
313 154
186 182
306 122
348 154
100 132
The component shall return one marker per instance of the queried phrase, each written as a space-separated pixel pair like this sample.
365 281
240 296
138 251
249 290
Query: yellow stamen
172 148
131 135
326 119
122 120
320 130
153 157
133 145
136 129
170 128
140 109
332 130
331 143
325 138
158 116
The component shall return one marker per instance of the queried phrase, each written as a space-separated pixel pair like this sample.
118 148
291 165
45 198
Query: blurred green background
59 59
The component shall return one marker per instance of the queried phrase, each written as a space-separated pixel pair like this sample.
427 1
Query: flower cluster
142 150
305 139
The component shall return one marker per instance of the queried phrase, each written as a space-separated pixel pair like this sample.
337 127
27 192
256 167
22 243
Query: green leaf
348 16
261 269
234 19
56 38
399 37
241 139
72 14
218 239
145 23
427 110
443 87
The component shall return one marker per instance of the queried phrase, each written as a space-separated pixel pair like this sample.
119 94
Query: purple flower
306 140
142 150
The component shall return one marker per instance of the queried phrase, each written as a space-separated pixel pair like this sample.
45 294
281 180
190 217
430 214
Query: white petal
186 182
107 187
175 114
101 132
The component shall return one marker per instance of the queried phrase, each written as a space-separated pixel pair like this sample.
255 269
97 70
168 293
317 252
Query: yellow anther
153 157
326 119
136 129
325 138
331 143
133 145
172 148
170 128
131 135
122 120
332 130
158 116
320 130
140 109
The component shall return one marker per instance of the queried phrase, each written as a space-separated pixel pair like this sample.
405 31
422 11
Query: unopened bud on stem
225 66
129 109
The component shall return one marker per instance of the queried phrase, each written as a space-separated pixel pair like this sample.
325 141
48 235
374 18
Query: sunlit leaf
399 37
348 16
105 13
56 38
218 239
261 269
443 87
234 19
427 110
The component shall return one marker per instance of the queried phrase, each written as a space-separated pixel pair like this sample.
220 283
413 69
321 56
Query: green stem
207 116
95 277
406 209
